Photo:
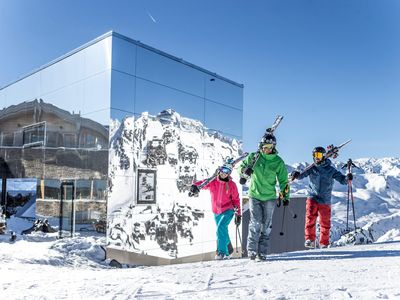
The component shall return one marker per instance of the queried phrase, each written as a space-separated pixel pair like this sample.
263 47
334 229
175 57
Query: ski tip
345 143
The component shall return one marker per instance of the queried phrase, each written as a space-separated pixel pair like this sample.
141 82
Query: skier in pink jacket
225 204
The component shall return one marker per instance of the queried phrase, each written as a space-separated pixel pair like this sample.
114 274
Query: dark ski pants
323 211
260 226
222 221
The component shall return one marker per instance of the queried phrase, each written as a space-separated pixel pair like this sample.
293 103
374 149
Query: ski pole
348 206
236 238
283 220
240 238
352 203
349 165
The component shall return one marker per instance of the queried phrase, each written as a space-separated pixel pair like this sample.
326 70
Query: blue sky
332 68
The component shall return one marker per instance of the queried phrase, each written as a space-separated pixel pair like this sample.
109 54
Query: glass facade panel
154 98
123 91
26 89
66 72
97 96
98 57
2 99
166 71
224 92
223 119
123 56
69 98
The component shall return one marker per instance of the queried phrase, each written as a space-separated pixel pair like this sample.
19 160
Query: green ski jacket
268 168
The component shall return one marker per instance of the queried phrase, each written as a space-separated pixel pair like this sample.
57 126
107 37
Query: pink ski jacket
224 195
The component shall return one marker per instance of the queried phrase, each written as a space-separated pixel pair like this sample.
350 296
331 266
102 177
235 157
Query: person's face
318 157
223 175
267 148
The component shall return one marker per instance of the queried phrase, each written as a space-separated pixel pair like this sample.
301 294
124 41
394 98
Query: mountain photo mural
153 161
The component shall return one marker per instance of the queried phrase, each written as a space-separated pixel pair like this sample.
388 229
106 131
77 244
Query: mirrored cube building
116 131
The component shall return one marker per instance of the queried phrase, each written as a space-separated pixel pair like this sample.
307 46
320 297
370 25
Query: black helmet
319 150
268 139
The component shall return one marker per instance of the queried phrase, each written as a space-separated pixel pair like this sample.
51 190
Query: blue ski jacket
321 181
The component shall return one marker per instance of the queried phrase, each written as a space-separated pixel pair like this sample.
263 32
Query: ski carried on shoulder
231 161
245 175
332 151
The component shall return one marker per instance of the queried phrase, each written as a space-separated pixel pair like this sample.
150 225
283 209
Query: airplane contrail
151 17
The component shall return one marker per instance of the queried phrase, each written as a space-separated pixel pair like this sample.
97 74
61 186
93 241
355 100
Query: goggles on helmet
318 155
225 170
267 146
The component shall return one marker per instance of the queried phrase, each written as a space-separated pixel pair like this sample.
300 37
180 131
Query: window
69 140
146 186
34 135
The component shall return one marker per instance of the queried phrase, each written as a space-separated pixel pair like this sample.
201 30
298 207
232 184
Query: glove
247 171
194 190
238 220
349 176
285 202
294 175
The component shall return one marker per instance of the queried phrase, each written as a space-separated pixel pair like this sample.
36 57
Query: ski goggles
225 170
318 155
268 146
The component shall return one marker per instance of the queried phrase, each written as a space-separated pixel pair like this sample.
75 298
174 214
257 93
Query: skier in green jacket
262 194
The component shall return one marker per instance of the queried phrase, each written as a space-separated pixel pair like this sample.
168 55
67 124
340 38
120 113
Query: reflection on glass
97 96
2 99
67 209
98 57
224 92
123 91
51 189
21 194
26 89
99 189
154 98
83 189
70 98
117 114
146 186
158 68
223 119
66 72
123 55
13 120
34 135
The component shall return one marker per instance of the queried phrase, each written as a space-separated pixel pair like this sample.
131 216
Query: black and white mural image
146 188
153 161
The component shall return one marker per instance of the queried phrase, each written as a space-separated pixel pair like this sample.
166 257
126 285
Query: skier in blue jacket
318 203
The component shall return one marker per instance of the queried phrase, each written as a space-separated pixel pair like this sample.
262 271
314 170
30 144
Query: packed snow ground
40 266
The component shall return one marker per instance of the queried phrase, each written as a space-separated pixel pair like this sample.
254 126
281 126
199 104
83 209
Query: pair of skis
246 174
332 151
231 161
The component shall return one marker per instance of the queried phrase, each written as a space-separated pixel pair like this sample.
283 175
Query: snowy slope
42 267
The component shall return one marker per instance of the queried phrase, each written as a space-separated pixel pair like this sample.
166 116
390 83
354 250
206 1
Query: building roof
41 106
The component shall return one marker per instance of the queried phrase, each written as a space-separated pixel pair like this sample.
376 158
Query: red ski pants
323 211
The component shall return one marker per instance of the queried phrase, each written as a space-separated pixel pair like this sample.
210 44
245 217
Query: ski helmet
319 152
268 139
227 167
